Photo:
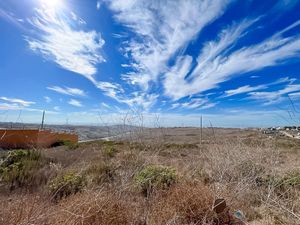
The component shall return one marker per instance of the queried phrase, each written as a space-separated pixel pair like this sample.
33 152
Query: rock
224 216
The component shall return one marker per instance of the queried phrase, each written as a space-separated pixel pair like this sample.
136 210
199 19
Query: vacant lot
154 177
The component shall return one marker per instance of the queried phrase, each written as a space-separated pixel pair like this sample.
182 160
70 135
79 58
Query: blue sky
92 62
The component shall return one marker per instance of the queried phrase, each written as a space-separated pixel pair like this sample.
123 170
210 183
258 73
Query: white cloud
10 106
15 104
195 103
56 108
77 19
105 105
273 97
16 101
112 90
295 95
47 99
10 17
98 6
220 67
146 101
209 105
75 103
162 29
56 40
248 88
243 89
175 105
135 99
162 35
68 91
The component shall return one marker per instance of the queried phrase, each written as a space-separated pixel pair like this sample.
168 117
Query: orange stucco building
33 138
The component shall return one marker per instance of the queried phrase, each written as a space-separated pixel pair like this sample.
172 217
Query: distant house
288 128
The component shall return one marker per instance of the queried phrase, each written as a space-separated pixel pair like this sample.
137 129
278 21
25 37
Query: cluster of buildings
291 131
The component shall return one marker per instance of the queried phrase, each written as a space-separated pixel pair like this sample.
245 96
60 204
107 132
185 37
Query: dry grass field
155 177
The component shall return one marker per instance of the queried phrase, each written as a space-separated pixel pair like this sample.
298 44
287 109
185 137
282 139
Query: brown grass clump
95 208
100 173
183 204
24 209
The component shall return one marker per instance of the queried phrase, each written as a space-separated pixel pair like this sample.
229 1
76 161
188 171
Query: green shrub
249 169
267 180
100 173
69 144
291 179
20 168
155 177
202 175
66 184
180 146
109 151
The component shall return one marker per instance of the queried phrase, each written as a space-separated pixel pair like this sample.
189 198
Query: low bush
183 204
65 185
109 151
100 173
95 208
21 168
180 146
69 144
201 175
155 177
292 179
249 169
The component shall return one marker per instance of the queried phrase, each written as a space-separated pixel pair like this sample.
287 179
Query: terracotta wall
18 138
10 139
48 138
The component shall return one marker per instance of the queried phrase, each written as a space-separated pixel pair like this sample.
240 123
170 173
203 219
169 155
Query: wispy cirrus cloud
103 104
57 40
272 97
68 91
10 106
73 49
248 88
17 104
220 67
134 99
160 32
75 103
16 101
295 95
47 99
12 18
243 89
195 103
161 36
56 108
110 89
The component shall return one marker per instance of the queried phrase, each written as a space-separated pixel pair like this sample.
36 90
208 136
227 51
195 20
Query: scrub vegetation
158 176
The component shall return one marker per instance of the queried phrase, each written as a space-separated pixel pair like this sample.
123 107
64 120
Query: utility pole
201 129
42 125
